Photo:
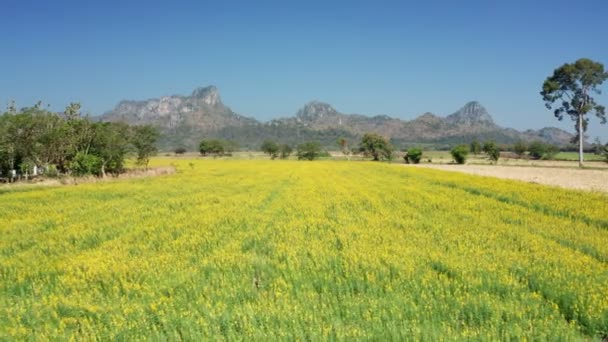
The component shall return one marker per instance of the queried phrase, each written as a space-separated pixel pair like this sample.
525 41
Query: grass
241 249
574 156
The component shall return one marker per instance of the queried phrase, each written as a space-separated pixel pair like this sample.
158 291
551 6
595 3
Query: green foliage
309 150
520 148
271 148
413 155
86 164
73 144
605 153
285 151
493 152
540 150
376 146
571 86
144 141
460 153
215 147
475 147
51 171
597 146
180 150
110 144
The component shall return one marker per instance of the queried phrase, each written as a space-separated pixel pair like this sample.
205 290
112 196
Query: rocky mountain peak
315 110
208 95
471 114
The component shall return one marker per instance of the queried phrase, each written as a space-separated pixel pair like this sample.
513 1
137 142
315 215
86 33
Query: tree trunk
580 140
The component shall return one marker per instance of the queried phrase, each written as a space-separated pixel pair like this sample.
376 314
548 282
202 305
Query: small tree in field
343 143
144 141
271 148
376 146
460 153
475 147
493 152
413 155
520 148
309 150
571 86
285 151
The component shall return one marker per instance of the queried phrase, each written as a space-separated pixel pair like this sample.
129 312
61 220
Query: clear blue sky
268 58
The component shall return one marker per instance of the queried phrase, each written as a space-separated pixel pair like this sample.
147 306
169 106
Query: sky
269 58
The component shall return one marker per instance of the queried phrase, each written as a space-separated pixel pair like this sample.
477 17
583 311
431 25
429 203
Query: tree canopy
67 142
376 146
571 86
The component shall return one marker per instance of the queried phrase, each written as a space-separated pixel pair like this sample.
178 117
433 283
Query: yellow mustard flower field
258 250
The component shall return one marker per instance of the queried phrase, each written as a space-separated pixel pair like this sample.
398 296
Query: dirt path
594 180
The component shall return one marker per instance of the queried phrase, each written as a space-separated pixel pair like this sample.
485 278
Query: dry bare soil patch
582 179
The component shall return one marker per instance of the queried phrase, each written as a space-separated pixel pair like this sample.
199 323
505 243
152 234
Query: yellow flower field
229 249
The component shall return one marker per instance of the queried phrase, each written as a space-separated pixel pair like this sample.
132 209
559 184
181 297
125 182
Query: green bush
309 150
180 150
376 146
475 147
51 171
271 148
540 150
493 152
413 155
460 153
285 151
86 164
520 148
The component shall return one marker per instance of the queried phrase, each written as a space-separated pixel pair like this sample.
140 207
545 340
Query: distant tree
475 147
285 151
520 148
376 146
215 146
309 150
144 141
413 155
571 85
271 148
605 153
180 150
343 144
460 153
597 146
493 152
204 147
540 150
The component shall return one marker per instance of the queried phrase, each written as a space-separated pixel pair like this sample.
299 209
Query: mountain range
185 120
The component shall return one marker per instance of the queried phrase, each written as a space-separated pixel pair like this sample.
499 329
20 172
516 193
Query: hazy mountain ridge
185 120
